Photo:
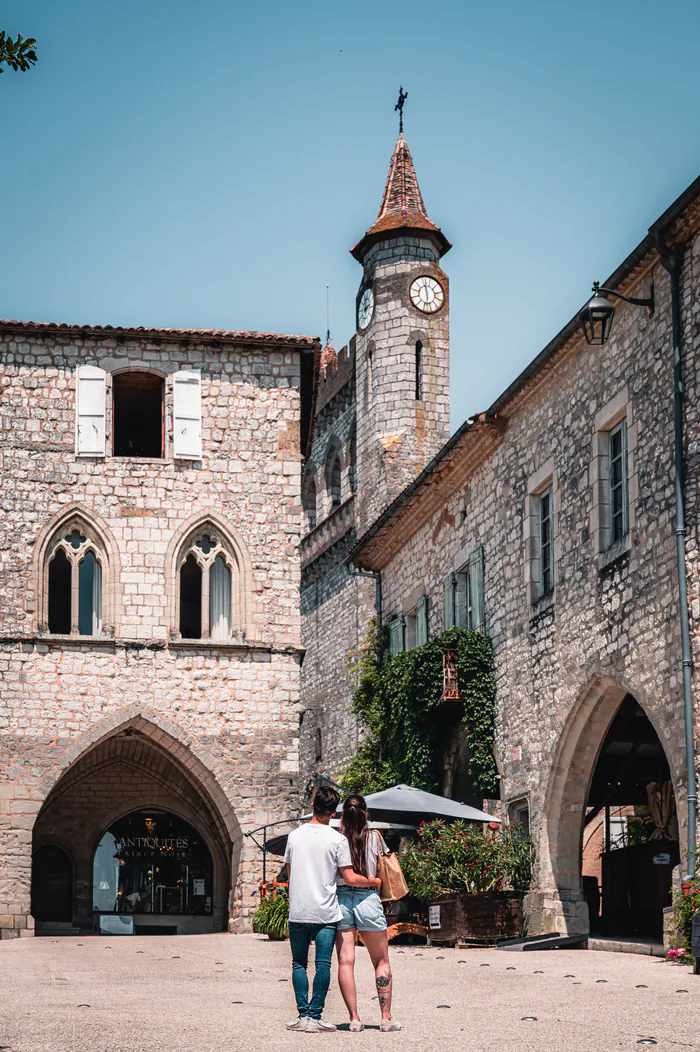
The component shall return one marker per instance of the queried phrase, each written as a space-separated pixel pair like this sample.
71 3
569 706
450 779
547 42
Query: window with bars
546 541
618 482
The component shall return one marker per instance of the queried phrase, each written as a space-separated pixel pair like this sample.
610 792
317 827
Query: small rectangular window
546 541
619 500
419 371
422 622
396 636
137 414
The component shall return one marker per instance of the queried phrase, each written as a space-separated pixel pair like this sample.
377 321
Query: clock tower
402 343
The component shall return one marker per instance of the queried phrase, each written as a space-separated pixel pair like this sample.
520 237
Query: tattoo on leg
384 980
383 1000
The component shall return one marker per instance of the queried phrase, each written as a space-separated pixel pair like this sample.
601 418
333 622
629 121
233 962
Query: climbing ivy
397 703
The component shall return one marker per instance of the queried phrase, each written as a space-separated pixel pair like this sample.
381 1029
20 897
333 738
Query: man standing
315 853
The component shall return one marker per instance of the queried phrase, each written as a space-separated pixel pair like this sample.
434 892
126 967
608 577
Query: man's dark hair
326 800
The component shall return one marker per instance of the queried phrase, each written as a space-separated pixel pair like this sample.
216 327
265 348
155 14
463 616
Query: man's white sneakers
297 1024
318 1026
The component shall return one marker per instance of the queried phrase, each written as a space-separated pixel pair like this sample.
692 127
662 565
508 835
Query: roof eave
371 238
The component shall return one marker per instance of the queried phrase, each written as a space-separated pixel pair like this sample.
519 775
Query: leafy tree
19 53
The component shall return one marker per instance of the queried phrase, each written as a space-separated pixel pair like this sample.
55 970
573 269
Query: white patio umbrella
404 799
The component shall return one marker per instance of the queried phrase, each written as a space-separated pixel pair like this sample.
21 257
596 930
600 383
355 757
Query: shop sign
664 859
434 917
137 846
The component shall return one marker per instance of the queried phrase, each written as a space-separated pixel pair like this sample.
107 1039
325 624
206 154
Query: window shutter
90 404
396 636
448 595
187 415
625 479
476 590
422 622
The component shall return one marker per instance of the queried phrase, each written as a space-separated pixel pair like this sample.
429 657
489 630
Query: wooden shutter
422 622
476 590
448 597
187 415
396 636
90 414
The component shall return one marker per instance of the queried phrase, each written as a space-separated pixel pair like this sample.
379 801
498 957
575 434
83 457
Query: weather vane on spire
403 95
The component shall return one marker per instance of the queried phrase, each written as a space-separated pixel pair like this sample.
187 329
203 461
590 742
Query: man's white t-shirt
315 852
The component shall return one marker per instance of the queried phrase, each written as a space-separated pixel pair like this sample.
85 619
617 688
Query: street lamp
597 316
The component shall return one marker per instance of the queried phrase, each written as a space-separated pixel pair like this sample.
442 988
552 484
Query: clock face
427 295
365 309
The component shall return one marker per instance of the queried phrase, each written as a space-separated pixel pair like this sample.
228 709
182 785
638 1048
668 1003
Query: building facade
554 513
150 641
382 413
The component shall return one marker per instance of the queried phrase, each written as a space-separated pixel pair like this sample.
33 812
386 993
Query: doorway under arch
609 756
138 774
52 885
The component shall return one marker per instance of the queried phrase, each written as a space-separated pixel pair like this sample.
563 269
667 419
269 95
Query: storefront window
152 862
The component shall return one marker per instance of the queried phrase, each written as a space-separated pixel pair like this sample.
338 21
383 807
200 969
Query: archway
630 835
52 886
141 769
578 785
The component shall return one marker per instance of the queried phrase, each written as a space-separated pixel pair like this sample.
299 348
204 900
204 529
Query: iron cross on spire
403 95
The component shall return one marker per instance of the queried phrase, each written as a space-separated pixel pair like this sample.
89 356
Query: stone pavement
182 993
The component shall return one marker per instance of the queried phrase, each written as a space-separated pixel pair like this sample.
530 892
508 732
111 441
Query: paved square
180 993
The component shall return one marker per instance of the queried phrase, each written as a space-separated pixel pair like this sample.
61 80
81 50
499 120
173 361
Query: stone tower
402 343
381 414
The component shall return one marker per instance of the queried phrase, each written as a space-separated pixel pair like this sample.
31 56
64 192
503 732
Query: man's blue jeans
300 938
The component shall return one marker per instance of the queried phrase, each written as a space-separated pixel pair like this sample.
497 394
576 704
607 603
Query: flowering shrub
466 857
686 907
677 955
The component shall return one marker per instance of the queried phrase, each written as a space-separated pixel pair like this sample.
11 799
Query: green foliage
458 856
686 907
19 53
272 916
397 701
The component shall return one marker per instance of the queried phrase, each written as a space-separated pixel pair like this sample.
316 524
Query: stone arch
168 770
334 475
573 765
103 540
241 582
309 501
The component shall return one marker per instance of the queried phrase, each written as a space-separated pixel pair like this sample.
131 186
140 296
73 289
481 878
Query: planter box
480 919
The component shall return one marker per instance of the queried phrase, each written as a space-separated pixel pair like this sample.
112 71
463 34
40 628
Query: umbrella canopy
403 799
277 845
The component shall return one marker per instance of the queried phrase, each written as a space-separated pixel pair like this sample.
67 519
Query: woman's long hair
353 825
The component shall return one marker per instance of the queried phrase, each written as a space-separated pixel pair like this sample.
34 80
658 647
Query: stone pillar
17 813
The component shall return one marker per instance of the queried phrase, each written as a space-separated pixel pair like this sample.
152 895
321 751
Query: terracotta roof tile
402 206
215 335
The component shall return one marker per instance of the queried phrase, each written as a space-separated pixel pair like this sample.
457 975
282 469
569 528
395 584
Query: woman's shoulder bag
394 884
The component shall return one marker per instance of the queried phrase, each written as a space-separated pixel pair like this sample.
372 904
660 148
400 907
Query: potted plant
272 915
472 877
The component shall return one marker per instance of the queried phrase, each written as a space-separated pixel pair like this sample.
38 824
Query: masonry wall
229 710
564 663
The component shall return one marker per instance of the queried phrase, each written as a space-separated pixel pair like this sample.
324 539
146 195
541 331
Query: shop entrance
52 885
630 835
154 865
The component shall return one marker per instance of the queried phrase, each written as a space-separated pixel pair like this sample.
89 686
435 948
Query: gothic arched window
334 481
74 582
206 568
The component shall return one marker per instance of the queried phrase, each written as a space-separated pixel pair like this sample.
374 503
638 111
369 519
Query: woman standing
362 911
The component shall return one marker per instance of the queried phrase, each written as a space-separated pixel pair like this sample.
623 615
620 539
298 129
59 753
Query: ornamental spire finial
403 95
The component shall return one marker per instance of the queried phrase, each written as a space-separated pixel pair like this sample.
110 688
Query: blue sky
211 163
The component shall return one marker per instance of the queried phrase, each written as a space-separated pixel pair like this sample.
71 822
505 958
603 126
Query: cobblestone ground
220 992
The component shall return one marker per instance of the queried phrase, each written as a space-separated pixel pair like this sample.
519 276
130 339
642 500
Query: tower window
370 376
310 506
319 745
334 484
419 371
137 414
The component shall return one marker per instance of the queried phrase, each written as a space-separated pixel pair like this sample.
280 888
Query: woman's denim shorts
361 908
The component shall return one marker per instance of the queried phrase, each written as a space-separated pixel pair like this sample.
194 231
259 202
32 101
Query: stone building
149 602
549 520
382 413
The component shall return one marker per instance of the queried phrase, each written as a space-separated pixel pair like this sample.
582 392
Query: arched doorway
152 865
607 739
630 834
52 885
139 773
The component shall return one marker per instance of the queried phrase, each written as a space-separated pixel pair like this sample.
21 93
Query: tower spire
402 206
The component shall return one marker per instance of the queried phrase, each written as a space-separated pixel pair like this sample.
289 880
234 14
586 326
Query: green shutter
396 636
448 595
476 590
422 622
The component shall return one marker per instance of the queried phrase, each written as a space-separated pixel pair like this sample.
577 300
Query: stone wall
226 712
